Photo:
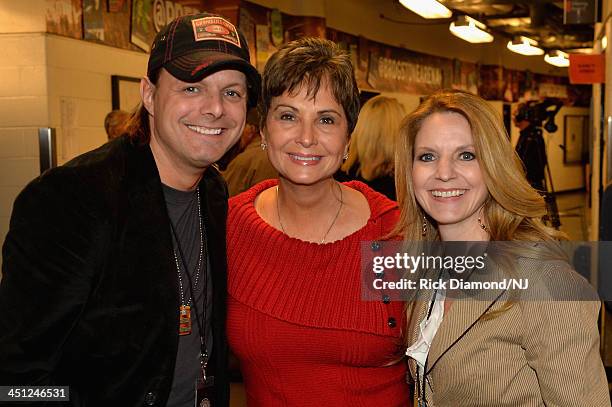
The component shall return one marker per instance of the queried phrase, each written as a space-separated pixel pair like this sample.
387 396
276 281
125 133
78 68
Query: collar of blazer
463 316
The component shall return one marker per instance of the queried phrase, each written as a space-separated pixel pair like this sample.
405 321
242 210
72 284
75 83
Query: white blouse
427 331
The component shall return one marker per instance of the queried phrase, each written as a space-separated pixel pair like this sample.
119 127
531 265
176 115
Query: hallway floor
574 214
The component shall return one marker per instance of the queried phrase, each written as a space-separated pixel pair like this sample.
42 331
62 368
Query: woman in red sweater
296 318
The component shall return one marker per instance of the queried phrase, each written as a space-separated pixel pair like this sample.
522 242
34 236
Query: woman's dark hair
309 62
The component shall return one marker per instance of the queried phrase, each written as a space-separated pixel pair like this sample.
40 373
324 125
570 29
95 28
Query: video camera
531 148
537 112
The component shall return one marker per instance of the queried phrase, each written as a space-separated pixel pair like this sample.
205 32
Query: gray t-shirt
183 212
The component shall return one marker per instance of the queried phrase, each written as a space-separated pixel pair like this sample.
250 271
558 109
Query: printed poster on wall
93 20
264 46
64 18
296 27
491 78
150 16
117 27
276 27
142 24
465 76
246 23
353 45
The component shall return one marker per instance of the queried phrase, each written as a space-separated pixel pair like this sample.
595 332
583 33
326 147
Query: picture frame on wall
575 139
125 92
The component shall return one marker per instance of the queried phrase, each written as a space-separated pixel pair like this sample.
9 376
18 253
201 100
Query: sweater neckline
379 205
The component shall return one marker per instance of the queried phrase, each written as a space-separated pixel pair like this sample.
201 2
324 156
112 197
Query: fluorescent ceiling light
525 46
470 30
512 22
557 58
427 8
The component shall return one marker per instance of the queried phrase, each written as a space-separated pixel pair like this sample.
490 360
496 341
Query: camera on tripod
538 112
531 148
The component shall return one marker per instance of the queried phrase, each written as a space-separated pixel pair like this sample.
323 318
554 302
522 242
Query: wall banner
414 75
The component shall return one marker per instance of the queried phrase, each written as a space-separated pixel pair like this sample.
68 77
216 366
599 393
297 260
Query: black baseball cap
194 46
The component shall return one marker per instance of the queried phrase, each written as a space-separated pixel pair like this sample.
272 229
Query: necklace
202 382
185 309
330 226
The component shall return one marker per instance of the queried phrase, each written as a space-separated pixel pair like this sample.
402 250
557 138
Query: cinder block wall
23 109
79 90
53 81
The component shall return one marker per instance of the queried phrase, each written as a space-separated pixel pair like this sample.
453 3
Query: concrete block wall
23 109
53 81
565 176
79 75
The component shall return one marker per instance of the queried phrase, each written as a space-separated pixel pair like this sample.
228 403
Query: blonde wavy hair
374 138
513 210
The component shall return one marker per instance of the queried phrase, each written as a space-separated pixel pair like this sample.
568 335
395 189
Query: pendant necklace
204 385
185 326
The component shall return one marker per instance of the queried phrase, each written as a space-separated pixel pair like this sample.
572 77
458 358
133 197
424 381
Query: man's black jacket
89 295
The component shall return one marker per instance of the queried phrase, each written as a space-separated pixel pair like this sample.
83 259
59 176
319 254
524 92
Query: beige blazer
536 353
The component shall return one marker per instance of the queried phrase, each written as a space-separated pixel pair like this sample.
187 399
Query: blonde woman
372 148
458 179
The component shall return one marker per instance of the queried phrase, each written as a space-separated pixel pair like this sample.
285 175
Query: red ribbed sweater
296 320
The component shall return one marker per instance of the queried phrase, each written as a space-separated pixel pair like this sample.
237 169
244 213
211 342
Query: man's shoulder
104 158
87 176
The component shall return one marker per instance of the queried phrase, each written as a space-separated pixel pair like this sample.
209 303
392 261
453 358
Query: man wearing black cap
114 279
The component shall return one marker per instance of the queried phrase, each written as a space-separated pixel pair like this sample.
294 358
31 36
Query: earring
424 228
482 225
263 146
345 156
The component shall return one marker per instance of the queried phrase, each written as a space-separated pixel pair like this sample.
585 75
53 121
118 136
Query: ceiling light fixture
470 30
557 58
427 8
525 46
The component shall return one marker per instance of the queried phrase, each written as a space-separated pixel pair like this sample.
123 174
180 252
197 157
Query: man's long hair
138 128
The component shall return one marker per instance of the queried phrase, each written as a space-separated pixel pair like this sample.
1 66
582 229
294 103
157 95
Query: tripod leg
551 201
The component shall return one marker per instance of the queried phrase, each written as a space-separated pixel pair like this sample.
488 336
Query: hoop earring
424 227
482 225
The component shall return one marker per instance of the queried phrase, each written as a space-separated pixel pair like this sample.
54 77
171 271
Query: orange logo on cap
215 28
